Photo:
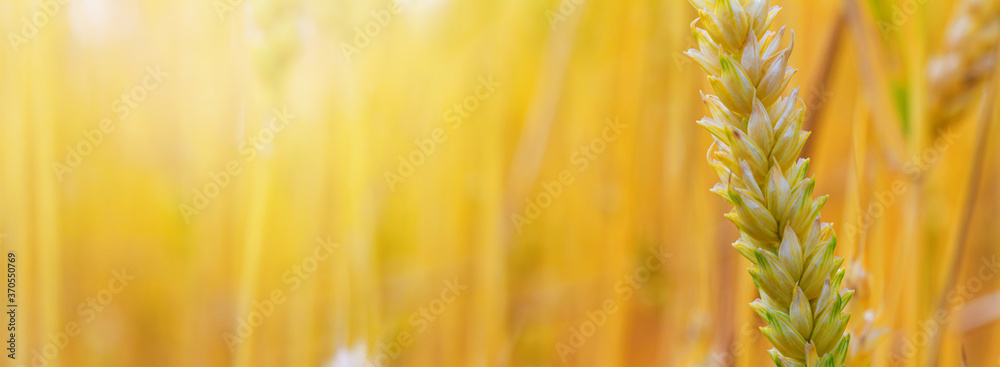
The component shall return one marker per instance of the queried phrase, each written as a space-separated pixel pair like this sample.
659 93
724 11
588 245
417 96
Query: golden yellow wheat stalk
758 138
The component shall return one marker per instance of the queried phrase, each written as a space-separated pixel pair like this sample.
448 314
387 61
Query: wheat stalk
967 59
758 138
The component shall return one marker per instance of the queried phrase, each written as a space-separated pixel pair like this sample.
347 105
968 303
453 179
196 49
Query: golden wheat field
371 183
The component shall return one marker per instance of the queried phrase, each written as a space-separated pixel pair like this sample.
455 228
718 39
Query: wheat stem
758 138
961 234
821 80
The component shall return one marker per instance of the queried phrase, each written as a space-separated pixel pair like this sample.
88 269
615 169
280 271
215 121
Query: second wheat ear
967 60
757 139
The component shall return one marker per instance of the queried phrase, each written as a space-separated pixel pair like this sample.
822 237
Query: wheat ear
758 138
967 59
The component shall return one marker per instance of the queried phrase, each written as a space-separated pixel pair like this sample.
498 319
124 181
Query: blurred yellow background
459 183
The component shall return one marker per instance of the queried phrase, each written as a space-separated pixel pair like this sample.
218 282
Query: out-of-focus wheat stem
968 59
866 337
272 51
872 69
821 79
758 138
962 232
